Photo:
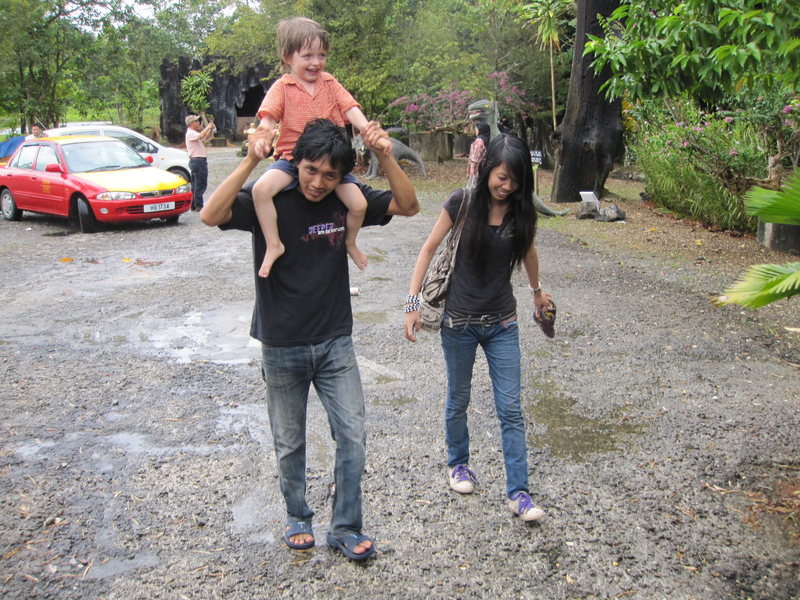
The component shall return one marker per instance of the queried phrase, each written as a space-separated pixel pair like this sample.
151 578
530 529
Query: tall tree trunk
590 134
553 87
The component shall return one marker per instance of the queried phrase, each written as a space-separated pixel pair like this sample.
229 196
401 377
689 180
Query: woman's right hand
412 323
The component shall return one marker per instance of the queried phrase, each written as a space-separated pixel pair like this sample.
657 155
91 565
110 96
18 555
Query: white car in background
170 159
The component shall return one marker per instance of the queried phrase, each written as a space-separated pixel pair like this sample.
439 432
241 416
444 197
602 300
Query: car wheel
86 218
10 210
181 173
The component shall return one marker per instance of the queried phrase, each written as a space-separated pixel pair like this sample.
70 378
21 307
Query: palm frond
763 284
773 206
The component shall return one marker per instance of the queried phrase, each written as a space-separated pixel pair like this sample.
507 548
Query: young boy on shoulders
304 93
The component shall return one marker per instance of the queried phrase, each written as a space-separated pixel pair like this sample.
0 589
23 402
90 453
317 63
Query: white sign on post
536 157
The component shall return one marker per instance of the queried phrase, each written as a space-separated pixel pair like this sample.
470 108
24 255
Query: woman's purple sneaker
462 479
522 506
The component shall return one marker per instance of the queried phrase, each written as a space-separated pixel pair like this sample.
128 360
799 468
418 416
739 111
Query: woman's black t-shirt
474 293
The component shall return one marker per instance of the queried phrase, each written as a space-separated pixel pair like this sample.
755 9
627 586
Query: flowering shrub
444 111
700 164
510 98
447 109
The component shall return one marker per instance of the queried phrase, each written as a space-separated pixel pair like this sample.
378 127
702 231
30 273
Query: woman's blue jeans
332 368
500 343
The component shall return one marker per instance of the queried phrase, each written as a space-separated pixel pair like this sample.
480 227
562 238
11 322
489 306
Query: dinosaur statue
484 111
545 210
400 151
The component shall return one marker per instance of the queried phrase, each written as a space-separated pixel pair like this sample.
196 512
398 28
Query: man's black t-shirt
306 298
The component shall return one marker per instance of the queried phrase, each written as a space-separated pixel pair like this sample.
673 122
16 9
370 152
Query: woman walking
480 309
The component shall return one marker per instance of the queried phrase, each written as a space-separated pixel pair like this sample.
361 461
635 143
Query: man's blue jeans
332 368
199 169
500 343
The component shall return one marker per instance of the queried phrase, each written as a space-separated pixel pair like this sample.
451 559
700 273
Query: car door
50 189
20 177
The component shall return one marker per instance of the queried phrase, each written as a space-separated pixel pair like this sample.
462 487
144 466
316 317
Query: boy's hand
376 139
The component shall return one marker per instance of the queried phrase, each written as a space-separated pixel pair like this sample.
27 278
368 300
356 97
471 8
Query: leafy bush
195 88
701 163
692 162
767 283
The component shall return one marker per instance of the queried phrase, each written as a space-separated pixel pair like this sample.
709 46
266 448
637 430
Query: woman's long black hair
512 152
483 131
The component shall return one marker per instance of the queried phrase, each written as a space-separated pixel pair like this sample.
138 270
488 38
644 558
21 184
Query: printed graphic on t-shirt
334 231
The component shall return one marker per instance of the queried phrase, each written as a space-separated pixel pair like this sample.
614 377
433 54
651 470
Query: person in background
198 157
480 310
36 132
477 149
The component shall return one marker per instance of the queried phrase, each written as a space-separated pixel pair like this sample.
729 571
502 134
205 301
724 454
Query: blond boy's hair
297 32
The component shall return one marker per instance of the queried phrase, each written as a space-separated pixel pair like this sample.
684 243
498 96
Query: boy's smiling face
307 63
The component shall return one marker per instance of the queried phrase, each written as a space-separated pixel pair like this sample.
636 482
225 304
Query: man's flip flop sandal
348 543
297 528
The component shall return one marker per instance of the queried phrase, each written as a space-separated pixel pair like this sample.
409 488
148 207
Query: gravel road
137 461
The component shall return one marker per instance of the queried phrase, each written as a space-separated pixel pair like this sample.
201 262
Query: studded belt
454 319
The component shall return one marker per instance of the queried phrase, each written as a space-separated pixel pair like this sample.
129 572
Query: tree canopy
94 57
706 48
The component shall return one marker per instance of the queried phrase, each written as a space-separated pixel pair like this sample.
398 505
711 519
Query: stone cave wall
230 94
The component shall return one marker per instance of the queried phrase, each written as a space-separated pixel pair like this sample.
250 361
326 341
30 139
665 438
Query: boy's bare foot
358 256
274 252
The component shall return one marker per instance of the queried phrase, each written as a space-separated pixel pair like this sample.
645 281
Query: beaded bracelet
412 303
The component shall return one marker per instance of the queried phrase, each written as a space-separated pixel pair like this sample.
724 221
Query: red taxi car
89 179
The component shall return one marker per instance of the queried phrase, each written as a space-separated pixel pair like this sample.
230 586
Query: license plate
148 208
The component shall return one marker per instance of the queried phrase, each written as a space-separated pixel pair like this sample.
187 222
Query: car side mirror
54 168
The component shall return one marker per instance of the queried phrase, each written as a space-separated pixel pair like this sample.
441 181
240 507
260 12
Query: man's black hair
322 138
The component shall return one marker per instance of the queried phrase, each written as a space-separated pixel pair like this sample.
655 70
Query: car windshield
101 155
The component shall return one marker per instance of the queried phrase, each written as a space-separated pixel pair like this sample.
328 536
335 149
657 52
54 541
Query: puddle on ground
573 436
220 336
251 514
381 257
30 449
372 318
116 566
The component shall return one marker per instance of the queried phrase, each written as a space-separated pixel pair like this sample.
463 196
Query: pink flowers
729 119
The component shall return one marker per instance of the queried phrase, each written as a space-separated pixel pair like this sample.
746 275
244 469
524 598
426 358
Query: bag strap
455 233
